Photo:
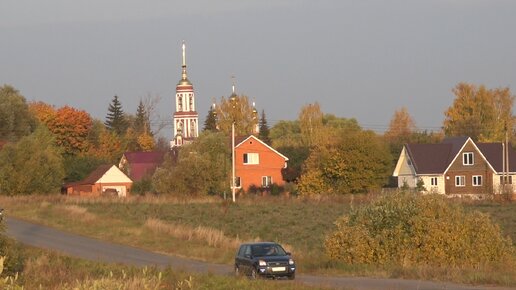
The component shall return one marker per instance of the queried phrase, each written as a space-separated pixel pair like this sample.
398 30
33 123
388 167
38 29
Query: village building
105 180
457 167
141 165
257 164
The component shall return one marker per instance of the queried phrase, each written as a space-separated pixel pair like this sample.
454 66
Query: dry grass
213 237
78 212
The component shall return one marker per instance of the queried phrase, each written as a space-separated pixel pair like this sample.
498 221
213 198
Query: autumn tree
401 126
32 165
264 129
480 113
71 128
202 168
311 124
210 124
15 118
106 145
356 162
43 112
115 119
146 142
286 134
237 109
286 137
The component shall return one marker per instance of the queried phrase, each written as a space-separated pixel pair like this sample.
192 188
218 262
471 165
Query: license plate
279 269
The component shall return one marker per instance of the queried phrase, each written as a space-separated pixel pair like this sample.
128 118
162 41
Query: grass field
210 229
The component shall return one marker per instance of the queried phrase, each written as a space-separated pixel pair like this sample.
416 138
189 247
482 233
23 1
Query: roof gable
114 175
263 143
104 173
470 141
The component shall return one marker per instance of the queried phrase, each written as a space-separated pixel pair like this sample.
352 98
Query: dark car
264 259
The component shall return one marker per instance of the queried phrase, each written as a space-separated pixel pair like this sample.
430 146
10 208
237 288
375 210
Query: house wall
270 164
434 189
83 190
114 175
497 187
406 172
480 167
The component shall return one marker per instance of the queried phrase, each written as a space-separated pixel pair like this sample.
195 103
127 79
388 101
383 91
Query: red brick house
106 179
457 166
139 165
258 164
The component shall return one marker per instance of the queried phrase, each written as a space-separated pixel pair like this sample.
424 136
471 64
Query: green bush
12 262
409 229
142 187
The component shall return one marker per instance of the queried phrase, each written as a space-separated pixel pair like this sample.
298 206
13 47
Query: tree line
46 146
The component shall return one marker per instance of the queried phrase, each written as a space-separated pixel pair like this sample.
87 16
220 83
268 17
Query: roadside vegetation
210 229
49 270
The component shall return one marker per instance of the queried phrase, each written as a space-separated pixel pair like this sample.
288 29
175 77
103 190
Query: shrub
142 187
276 189
408 229
12 262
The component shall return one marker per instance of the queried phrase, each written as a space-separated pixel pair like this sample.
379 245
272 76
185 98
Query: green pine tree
141 123
264 129
210 124
115 119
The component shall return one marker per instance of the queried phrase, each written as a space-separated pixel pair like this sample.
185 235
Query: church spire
184 62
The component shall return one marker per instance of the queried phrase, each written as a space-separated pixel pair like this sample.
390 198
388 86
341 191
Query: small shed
105 180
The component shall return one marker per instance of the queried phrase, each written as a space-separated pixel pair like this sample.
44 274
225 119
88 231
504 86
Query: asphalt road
93 249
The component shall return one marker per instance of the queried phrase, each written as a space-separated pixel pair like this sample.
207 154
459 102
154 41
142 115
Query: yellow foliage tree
146 142
480 113
237 109
401 127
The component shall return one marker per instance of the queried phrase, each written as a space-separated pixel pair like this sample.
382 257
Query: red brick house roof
93 177
141 164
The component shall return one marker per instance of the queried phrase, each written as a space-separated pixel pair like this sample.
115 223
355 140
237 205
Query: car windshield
267 250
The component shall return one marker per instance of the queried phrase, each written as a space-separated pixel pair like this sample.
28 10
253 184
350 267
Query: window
477 180
237 182
433 181
460 180
266 181
251 158
509 180
467 158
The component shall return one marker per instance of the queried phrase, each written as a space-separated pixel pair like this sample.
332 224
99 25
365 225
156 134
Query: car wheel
237 271
292 276
254 275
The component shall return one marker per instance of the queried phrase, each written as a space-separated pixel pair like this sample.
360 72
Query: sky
361 59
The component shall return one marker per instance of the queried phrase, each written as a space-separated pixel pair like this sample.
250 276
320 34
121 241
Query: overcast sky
360 59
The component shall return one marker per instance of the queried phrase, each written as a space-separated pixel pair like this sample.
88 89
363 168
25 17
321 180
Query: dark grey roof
435 158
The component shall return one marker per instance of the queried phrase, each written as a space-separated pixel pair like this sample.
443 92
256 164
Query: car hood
273 258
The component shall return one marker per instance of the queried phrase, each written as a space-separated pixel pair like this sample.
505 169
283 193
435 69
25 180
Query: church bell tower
186 119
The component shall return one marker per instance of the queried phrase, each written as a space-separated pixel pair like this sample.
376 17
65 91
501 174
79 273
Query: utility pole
507 159
233 177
